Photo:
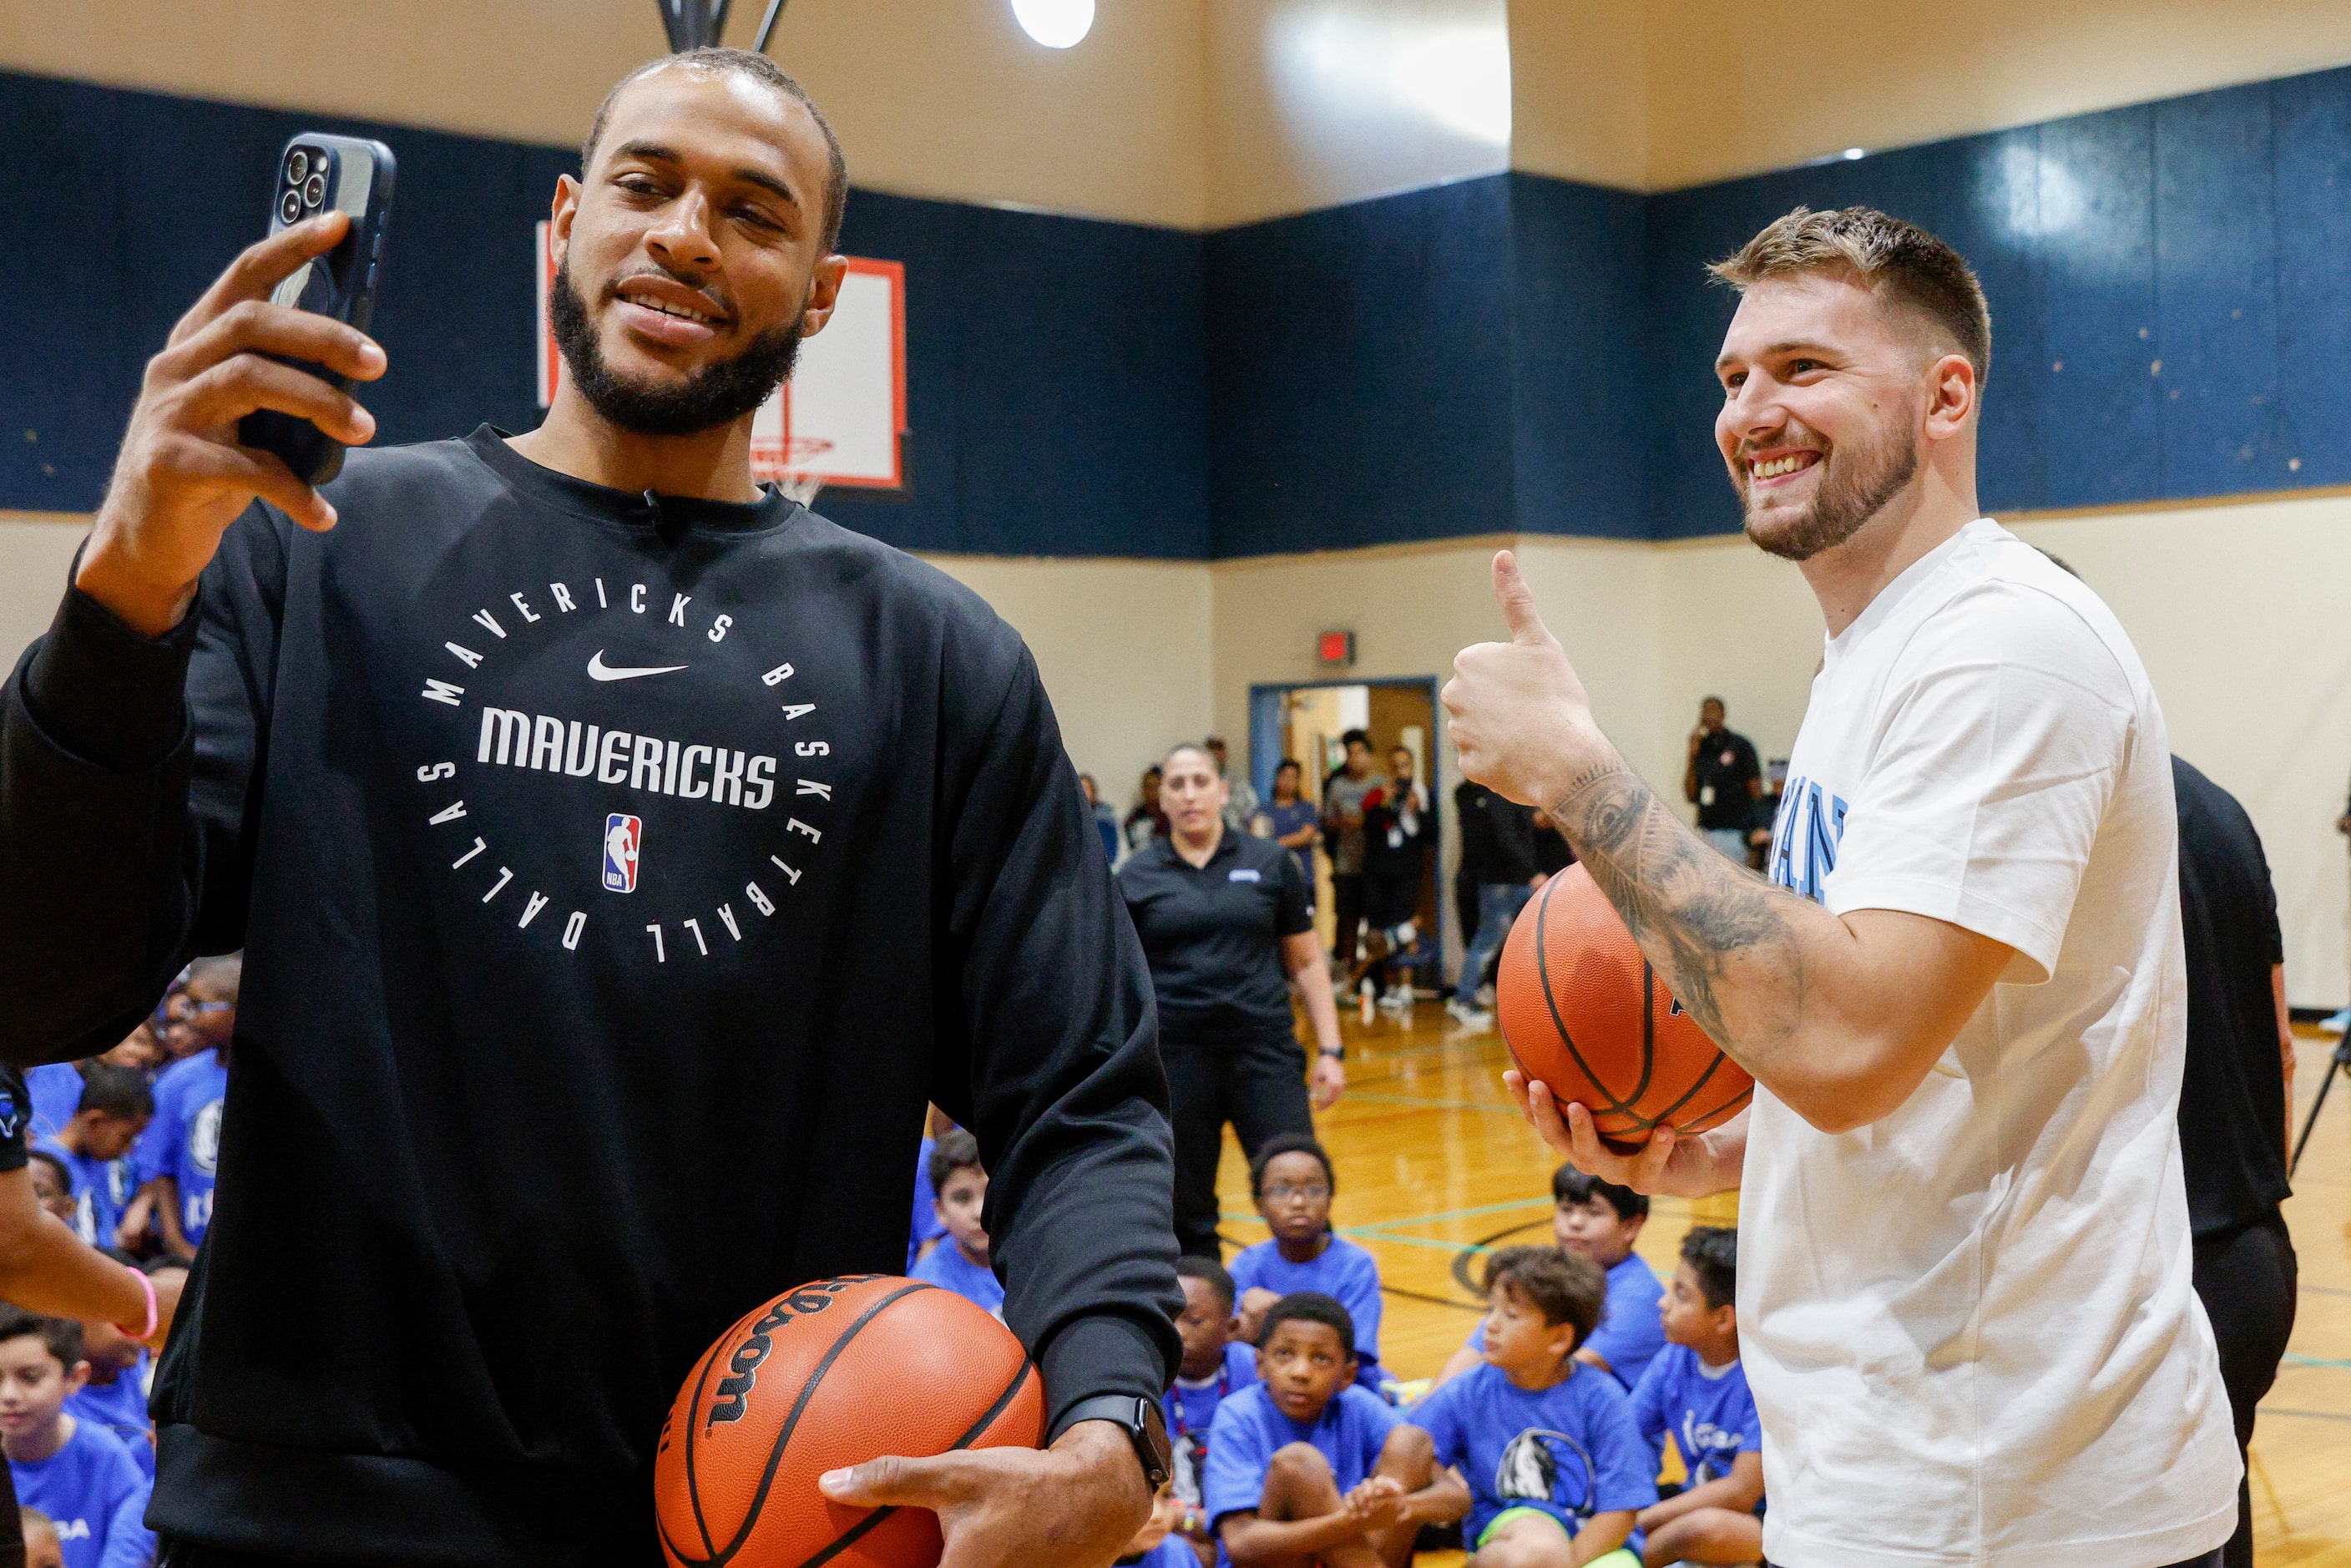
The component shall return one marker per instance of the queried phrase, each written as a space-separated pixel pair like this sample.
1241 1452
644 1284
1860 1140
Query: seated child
1555 1466
75 1471
959 1263
1216 1365
52 1181
1599 1220
1696 1390
1306 1468
1157 1545
41 1550
115 1397
114 1109
1292 1180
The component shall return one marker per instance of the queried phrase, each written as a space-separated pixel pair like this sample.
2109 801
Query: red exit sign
1336 648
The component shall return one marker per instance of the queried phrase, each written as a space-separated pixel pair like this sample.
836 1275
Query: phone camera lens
289 207
298 163
314 190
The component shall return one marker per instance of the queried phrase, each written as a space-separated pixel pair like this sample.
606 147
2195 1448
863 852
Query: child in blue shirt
959 1263
57 1095
1696 1390
1217 1364
113 1111
926 1228
115 1396
1293 1182
1555 1468
1599 1220
1306 1466
75 1471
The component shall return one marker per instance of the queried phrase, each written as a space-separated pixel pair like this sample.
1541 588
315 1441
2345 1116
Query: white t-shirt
1969 1327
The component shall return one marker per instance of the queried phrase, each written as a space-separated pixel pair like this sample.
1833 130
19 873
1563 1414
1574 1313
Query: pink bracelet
154 1313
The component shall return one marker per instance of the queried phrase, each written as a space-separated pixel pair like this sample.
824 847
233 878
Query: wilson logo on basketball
743 1366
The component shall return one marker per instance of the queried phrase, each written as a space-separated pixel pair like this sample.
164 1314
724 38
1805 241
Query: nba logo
623 836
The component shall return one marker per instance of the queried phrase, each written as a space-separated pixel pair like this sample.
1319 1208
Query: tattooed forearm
1719 934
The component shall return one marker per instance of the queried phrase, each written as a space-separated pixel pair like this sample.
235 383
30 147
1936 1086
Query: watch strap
1139 1418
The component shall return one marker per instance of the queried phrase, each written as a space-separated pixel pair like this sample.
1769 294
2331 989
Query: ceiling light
1853 154
1056 24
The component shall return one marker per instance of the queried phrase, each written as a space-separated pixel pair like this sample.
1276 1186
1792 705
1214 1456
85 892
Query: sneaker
1399 1000
1468 1017
2339 1024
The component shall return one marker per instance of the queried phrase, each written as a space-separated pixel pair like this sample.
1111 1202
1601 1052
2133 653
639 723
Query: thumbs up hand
1519 716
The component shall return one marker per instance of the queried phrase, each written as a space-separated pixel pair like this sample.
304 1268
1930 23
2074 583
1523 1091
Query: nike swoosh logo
598 670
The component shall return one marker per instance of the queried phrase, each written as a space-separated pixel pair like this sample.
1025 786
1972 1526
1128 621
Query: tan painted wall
1311 103
35 550
940 98
1722 90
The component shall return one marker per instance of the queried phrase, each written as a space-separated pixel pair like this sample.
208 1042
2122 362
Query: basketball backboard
841 419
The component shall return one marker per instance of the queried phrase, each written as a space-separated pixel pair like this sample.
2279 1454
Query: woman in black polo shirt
1228 921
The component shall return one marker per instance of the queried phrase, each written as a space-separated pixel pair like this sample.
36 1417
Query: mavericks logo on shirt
539 678
1546 1467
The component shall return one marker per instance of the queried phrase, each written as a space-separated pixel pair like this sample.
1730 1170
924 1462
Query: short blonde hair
1889 255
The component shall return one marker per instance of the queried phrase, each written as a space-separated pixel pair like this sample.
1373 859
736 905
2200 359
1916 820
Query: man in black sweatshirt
622 856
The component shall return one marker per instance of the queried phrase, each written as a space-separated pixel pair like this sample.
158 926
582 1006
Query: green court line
1483 1208
2315 1361
2312 1414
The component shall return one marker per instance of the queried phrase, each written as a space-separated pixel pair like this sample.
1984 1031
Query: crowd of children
1542 1440
123 1151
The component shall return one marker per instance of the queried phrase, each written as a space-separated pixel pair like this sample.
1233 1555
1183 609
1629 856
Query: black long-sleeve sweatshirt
616 881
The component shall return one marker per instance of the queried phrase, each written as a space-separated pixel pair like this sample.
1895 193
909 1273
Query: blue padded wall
2171 299
1358 384
120 208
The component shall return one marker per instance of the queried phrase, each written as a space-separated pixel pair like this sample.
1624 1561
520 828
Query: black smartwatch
1145 1427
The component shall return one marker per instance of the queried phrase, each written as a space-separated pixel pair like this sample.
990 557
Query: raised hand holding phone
183 473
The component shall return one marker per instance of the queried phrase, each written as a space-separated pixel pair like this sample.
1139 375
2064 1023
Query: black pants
2246 1278
1259 1084
1347 908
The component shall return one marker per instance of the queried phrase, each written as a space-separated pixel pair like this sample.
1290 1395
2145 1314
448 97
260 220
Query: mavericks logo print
623 838
1552 1468
702 737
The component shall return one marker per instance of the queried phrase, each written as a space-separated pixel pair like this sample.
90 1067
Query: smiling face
693 253
1192 792
1827 386
34 1387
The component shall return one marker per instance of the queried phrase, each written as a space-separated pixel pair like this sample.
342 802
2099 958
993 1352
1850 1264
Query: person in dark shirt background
2235 1096
1723 779
1502 832
569 1033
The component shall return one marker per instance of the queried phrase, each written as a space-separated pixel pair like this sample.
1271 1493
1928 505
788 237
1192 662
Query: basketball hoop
787 464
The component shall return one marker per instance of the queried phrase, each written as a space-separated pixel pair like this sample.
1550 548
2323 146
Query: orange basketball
1582 1010
833 1374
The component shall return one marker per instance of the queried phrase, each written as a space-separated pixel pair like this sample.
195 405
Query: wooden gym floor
1433 1163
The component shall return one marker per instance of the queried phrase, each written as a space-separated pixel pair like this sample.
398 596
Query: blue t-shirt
1287 819
1173 1553
1708 1409
57 1096
1251 1428
1572 1450
102 1189
1344 1271
183 1140
120 1407
949 1270
1632 1326
1190 1410
928 1225
97 1494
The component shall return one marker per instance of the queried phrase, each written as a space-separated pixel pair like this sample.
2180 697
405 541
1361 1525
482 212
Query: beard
718 393
1857 483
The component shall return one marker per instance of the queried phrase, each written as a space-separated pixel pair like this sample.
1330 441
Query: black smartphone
318 174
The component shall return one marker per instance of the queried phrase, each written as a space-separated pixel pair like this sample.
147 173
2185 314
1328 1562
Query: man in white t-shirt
1964 1303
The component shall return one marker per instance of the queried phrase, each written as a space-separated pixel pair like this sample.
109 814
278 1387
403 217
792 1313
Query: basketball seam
1551 1003
1720 1057
857 1532
1648 1037
694 1487
1729 1104
720 1557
